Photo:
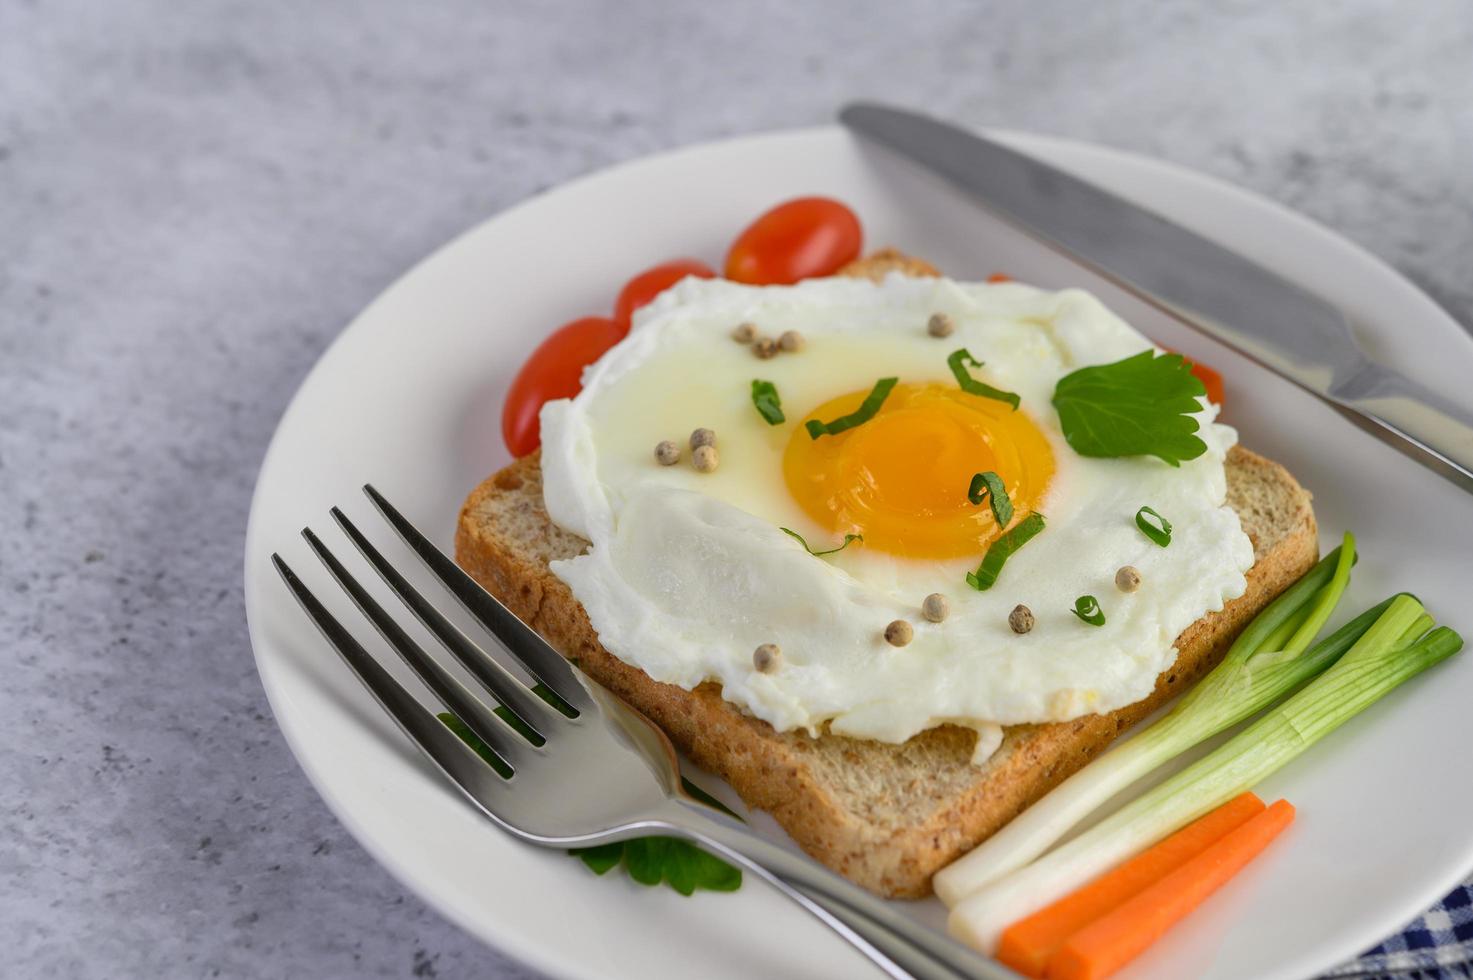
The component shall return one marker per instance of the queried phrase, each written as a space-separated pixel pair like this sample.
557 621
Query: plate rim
508 941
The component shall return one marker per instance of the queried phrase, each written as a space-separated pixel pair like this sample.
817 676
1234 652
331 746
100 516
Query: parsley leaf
600 857
958 362
651 860
463 732
767 403
859 416
1139 406
848 539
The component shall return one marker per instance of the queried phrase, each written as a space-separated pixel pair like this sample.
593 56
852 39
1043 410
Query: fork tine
545 663
530 709
500 736
445 749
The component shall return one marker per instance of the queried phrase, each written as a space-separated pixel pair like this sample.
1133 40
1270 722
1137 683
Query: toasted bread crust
885 816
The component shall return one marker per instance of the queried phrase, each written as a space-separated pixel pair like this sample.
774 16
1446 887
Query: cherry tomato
1210 379
798 239
554 370
999 277
651 283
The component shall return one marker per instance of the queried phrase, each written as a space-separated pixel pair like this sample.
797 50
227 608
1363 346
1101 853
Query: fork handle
916 950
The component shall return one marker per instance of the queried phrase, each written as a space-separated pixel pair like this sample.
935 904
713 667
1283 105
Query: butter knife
1208 287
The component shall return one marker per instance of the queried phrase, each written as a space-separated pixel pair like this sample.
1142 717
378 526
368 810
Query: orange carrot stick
1028 944
1110 942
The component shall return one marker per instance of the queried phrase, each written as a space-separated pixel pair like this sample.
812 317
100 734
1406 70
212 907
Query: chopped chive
859 416
1159 532
1002 549
767 403
848 540
1087 608
989 485
958 362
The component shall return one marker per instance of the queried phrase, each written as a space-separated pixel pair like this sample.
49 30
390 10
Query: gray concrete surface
194 197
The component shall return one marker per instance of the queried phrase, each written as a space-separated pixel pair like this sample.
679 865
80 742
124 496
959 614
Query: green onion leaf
958 361
1160 532
767 403
1087 608
1372 667
848 540
1002 549
989 485
861 415
1253 675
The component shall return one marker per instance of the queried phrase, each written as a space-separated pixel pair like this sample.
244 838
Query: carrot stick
1108 943
1028 944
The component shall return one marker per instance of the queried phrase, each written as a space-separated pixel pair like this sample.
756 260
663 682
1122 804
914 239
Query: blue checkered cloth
1437 945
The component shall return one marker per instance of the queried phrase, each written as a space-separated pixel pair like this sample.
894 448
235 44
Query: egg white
687 572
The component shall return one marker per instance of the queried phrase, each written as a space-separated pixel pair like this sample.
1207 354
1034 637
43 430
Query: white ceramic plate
409 398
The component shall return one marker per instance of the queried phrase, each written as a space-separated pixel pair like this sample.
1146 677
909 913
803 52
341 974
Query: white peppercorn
1128 579
705 459
766 658
940 325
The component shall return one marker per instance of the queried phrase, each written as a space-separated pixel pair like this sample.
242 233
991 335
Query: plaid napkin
1438 945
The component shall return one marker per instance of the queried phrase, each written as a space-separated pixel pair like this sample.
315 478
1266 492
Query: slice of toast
885 816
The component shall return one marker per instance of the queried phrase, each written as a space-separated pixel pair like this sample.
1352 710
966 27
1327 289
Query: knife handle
1415 419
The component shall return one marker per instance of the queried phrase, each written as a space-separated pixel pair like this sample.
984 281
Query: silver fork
584 768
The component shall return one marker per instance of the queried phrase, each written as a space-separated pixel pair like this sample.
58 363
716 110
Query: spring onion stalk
1236 689
1375 665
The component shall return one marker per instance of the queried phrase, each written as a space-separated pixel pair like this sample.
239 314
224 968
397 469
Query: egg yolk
901 478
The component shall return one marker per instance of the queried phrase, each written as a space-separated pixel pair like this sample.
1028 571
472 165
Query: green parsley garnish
989 485
859 416
650 860
1002 549
1140 406
1160 532
848 539
768 405
1087 608
463 732
958 362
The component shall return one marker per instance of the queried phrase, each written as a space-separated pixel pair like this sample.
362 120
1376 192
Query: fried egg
688 572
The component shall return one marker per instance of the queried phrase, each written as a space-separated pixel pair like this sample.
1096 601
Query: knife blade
1196 281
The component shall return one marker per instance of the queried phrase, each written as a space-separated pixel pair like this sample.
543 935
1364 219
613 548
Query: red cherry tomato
1210 379
798 239
651 283
555 370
